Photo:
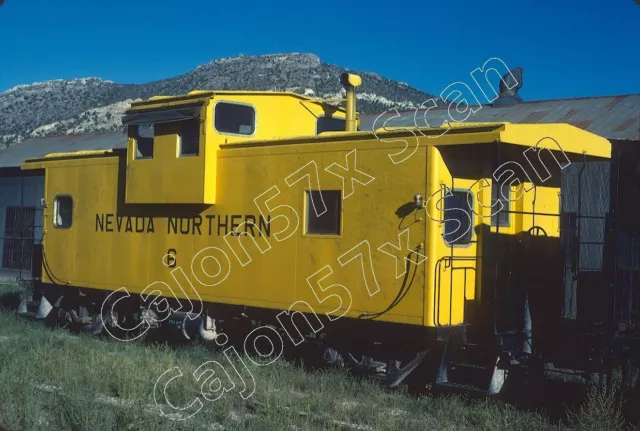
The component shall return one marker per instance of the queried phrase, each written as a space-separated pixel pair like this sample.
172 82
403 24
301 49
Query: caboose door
455 256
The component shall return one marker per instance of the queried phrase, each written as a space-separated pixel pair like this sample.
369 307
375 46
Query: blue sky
568 48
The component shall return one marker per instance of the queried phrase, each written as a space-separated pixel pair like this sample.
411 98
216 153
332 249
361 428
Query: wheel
120 325
58 318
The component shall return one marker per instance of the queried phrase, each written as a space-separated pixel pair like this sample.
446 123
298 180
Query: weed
602 410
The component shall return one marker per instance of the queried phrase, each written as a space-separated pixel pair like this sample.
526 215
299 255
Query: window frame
229 102
137 137
469 211
180 141
56 212
495 218
307 206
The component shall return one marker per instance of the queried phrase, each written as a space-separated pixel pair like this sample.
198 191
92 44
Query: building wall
17 194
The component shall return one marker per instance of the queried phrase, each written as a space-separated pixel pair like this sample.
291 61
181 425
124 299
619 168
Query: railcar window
501 192
328 222
190 138
457 217
330 124
144 141
234 118
62 211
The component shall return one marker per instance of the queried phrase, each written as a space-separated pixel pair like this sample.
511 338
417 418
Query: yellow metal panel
451 269
169 101
277 278
162 178
116 242
76 253
78 154
153 180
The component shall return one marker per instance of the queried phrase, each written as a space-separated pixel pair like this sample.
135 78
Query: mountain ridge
93 104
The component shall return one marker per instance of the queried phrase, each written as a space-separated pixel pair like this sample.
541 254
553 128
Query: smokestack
509 86
350 82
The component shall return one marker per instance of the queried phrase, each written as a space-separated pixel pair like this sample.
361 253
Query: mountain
93 105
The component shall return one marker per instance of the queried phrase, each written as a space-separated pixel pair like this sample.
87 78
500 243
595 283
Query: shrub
602 410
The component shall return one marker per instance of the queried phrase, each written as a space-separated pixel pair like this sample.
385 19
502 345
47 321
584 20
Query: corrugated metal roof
33 148
612 117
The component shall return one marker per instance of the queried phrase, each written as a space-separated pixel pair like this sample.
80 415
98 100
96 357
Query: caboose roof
201 96
566 137
570 139
612 117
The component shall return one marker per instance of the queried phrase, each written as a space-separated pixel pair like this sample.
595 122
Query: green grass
601 411
55 380
9 294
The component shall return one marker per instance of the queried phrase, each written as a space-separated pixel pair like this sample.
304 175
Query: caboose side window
324 219
457 217
501 192
144 141
63 211
189 138
234 118
330 124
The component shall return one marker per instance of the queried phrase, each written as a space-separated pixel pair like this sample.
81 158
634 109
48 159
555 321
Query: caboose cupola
173 141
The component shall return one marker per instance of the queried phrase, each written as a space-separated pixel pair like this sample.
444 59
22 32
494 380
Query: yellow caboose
232 209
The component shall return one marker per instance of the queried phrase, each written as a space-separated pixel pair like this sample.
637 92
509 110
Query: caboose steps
33 306
471 368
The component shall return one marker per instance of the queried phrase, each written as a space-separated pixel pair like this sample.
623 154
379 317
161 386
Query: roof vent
509 89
